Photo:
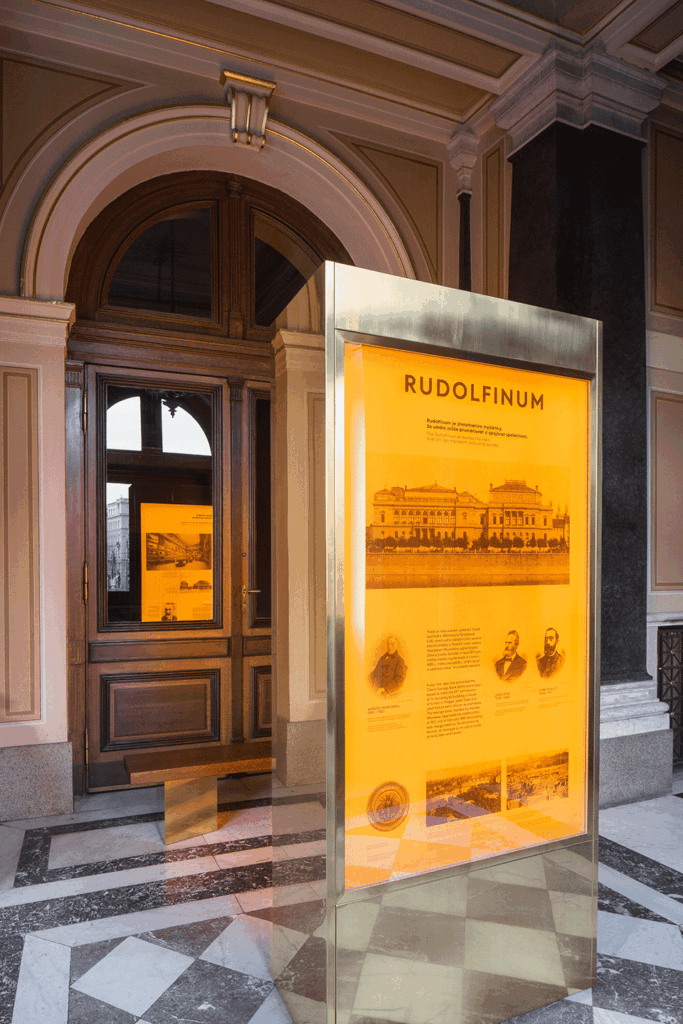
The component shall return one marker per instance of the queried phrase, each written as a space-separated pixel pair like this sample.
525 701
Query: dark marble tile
435 938
300 917
303 869
556 1013
84 1009
614 903
641 868
34 857
305 973
132 898
238 805
290 839
11 949
576 959
303 798
94 826
210 994
643 990
494 901
492 998
562 879
190 939
349 967
85 957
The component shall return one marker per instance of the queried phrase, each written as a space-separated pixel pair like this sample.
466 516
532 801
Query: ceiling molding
590 87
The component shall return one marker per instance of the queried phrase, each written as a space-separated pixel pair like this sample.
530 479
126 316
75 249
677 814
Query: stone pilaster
576 245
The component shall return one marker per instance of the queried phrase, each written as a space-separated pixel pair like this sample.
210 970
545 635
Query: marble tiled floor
102 924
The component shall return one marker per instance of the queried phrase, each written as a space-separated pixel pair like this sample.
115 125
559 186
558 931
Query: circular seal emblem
388 806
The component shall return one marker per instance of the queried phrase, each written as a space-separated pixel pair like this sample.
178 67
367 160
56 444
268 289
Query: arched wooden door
176 285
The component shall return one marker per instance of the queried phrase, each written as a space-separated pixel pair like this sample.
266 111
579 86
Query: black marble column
465 253
576 244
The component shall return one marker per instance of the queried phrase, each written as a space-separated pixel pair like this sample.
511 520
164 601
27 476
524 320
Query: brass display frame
353 304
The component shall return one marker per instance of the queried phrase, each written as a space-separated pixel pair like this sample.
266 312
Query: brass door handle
245 591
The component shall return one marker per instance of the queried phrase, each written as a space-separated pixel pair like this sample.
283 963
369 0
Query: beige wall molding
33 531
578 88
198 137
248 98
38 98
19 546
416 185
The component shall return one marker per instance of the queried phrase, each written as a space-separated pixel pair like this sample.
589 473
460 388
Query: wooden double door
177 570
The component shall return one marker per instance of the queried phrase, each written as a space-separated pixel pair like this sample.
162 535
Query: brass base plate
190 808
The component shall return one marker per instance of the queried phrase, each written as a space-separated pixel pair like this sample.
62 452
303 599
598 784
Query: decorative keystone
248 98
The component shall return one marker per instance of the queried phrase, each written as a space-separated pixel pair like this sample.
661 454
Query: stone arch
198 137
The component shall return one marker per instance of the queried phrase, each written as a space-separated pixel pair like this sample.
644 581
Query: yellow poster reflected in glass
466 604
177 562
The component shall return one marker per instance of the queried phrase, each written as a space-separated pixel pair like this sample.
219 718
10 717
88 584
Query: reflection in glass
276 282
118 565
181 433
123 425
158 506
167 268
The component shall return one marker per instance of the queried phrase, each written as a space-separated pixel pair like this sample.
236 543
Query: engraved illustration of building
433 512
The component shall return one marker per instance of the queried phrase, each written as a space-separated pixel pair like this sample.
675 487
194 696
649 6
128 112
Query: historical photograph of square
475 524
464 792
537 779
169 551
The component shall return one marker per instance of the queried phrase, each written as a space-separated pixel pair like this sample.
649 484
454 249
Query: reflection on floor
102 924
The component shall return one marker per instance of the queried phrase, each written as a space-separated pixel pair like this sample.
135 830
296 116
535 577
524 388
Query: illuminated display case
462 496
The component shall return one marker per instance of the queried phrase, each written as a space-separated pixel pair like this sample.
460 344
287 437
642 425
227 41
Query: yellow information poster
177 562
466 604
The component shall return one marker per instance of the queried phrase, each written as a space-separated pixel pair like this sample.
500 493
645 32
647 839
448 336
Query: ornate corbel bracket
462 150
248 98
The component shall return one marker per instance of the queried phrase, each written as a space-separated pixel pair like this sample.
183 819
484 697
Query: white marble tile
258 786
259 899
243 946
515 952
585 997
137 800
319 889
11 841
239 858
134 975
659 904
254 946
354 925
242 823
302 817
315 849
601 1016
652 827
572 913
271 1011
142 921
43 988
107 880
528 871
407 991
232 789
302 1009
112 843
447 896
649 942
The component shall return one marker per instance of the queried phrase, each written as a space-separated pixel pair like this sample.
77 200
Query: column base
299 750
636 744
36 781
